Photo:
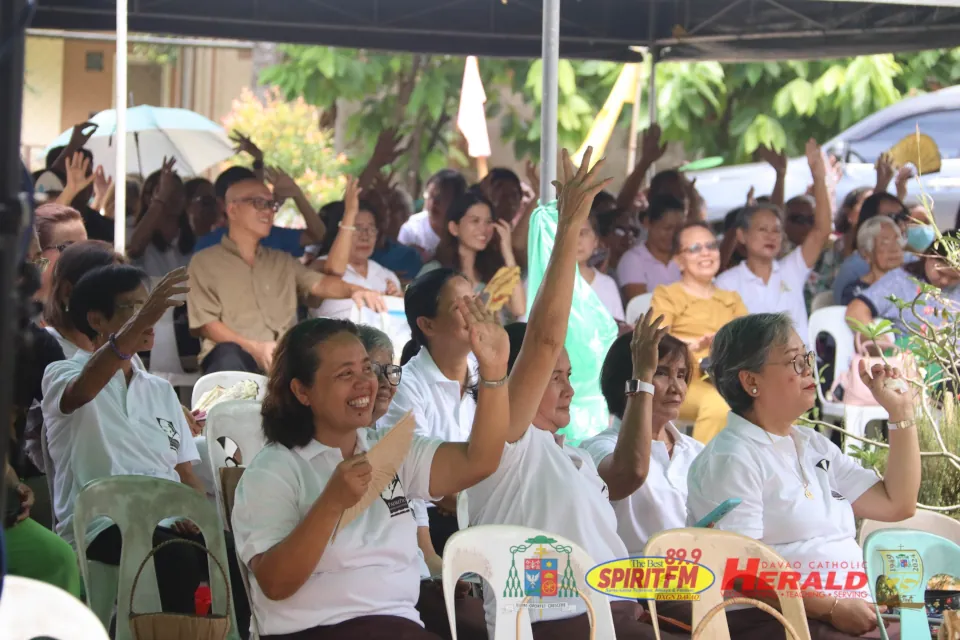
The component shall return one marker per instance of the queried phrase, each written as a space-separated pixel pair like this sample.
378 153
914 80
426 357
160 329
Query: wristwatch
638 386
903 424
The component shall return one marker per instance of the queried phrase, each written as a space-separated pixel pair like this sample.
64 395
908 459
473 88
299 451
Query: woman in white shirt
305 582
799 492
542 483
643 458
353 226
603 285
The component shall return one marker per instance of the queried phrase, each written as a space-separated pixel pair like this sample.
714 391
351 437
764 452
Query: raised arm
77 167
285 187
816 240
547 325
143 231
626 469
521 229
339 256
460 465
651 151
777 160
81 133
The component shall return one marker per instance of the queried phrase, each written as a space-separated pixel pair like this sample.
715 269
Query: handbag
850 389
174 626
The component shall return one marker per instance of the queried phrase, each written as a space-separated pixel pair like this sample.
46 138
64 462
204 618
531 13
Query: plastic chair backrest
497 553
225 501
929 521
833 321
638 306
716 547
239 421
463 511
164 357
821 300
51 474
33 609
910 558
136 504
226 379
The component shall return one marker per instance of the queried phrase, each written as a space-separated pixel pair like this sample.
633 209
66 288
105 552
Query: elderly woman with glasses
695 309
799 493
345 252
881 244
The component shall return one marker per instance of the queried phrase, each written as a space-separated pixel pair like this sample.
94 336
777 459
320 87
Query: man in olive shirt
243 296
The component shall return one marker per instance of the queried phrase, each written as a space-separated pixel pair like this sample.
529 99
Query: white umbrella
154 133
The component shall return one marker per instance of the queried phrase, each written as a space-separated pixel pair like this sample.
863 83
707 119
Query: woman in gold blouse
695 309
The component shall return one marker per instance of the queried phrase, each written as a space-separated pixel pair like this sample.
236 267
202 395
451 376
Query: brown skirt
363 628
754 624
625 622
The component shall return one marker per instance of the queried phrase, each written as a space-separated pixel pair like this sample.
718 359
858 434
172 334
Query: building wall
42 102
86 91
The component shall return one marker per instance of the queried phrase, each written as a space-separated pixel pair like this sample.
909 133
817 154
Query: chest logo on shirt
542 558
824 464
171 431
395 498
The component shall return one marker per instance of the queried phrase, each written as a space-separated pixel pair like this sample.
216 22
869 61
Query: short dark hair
501 174
75 262
451 183
841 222
871 208
422 299
332 214
54 153
230 177
744 344
659 182
618 368
602 200
660 205
285 420
98 289
679 234
191 186
606 220
409 350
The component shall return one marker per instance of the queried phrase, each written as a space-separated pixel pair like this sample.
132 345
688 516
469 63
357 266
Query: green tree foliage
713 109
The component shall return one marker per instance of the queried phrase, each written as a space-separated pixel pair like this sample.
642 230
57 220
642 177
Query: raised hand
889 389
246 145
168 186
349 482
284 186
650 148
533 179
488 340
903 178
101 185
886 169
578 188
777 160
81 134
351 200
645 344
79 175
751 197
160 299
818 165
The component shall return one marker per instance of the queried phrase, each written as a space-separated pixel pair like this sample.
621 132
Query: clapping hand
889 389
578 188
488 340
645 345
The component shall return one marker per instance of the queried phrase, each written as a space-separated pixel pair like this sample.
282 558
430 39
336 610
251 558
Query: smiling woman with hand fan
321 516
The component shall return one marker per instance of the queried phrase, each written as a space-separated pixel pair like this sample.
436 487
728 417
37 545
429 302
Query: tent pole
548 107
652 92
120 136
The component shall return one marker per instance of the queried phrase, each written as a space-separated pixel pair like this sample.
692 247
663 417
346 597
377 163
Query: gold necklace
803 478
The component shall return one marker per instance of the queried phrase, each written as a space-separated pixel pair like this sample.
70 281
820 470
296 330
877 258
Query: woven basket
174 626
756 603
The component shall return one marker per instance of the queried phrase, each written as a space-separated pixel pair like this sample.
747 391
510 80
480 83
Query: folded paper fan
210 398
919 150
385 457
500 288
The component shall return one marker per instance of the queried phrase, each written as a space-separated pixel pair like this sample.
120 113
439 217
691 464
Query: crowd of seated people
722 348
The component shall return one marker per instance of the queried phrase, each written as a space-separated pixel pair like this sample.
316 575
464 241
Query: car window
942 126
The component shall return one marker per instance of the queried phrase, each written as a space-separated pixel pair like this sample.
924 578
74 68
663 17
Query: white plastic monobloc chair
32 609
716 547
164 357
638 306
821 300
486 551
929 521
226 379
832 321
239 421
856 419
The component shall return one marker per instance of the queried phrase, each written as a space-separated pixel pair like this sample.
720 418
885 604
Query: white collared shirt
783 293
661 502
554 489
606 289
438 407
417 232
371 568
136 429
639 266
376 280
814 536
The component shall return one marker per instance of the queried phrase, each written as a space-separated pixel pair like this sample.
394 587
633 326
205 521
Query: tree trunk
265 55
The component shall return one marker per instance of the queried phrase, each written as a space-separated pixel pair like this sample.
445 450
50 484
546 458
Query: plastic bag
590 332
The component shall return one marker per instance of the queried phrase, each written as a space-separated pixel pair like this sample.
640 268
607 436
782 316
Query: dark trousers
363 628
441 528
180 569
229 356
471 623
624 621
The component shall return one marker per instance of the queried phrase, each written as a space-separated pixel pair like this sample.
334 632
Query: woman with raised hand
542 483
365 581
799 493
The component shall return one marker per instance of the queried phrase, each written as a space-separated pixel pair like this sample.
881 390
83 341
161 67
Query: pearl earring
753 391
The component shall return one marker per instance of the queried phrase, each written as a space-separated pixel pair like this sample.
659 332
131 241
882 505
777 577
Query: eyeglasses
803 361
389 372
902 217
367 232
60 248
701 247
799 218
41 264
131 307
261 204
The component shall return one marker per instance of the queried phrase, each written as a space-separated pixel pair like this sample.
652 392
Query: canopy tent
724 30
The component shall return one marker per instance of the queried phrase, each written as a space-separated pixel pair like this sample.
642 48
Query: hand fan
501 287
919 150
385 457
210 398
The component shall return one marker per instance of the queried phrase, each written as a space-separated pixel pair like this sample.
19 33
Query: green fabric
590 332
34 551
